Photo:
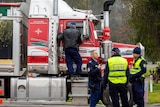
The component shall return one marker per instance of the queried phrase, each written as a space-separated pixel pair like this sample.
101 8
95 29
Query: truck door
89 43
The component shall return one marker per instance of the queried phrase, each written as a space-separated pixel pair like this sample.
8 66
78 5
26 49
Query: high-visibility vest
136 66
117 70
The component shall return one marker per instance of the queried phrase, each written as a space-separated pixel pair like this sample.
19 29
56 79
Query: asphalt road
62 106
7 104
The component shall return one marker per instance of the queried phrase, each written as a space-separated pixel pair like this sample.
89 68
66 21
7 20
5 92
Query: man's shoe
78 76
72 77
68 76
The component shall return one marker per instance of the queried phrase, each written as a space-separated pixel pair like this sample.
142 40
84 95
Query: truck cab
46 20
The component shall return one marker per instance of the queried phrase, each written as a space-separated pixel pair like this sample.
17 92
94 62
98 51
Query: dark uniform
137 80
116 73
94 82
72 40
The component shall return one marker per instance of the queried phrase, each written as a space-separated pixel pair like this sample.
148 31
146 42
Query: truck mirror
142 49
95 34
85 29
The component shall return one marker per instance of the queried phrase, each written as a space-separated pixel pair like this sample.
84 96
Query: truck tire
130 95
107 100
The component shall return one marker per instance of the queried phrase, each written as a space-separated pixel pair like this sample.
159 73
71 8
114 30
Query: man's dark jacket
93 72
72 38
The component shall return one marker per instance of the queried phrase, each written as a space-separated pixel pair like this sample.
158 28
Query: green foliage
153 97
145 20
6 32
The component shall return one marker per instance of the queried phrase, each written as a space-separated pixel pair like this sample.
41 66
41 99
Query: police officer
116 74
137 77
94 74
72 40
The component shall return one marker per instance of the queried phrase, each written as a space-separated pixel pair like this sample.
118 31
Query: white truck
32 64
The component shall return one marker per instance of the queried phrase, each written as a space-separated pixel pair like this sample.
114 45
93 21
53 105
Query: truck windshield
6 36
97 27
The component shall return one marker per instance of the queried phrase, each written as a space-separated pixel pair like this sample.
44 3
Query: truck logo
38 31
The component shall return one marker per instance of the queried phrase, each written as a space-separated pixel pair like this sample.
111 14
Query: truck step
79 91
79 95
79 79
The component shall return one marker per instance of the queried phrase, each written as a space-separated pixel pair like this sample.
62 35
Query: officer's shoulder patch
88 69
90 61
144 65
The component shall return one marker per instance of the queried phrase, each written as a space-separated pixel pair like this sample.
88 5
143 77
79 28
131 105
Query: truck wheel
130 95
107 100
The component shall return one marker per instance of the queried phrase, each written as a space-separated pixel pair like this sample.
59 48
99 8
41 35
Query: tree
145 20
6 31
120 30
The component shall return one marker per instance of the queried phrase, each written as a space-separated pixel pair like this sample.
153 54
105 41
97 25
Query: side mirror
95 34
85 29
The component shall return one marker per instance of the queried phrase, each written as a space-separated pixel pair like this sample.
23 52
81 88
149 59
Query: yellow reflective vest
136 66
117 70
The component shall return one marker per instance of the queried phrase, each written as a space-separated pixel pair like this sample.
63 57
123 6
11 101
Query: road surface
63 106
7 104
